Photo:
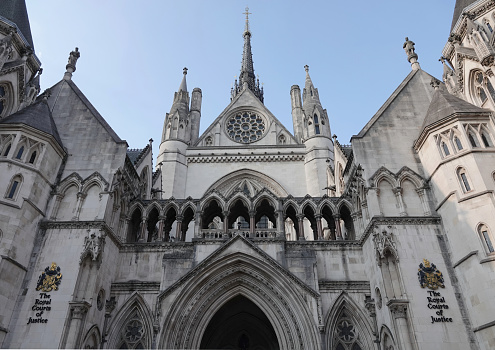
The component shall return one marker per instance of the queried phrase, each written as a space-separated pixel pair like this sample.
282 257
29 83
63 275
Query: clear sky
133 52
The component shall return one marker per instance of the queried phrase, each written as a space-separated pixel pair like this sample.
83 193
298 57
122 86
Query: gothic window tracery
133 334
458 143
463 179
445 148
209 141
245 127
346 336
5 93
482 88
14 187
472 140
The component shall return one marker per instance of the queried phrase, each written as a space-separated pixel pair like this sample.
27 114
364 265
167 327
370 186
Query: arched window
482 88
317 126
461 173
473 140
489 27
209 141
14 187
281 140
33 157
458 143
486 139
20 152
7 150
486 238
445 149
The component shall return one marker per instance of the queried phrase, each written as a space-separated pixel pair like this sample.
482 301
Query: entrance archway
239 324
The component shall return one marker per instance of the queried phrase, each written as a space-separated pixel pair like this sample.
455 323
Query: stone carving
73 57
383 240
409 48
49 279
93 246
5 50
429 276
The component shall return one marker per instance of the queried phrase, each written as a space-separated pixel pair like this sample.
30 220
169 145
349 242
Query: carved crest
49 279
383 240
429 276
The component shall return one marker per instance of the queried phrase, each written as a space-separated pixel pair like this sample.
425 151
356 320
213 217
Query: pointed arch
346 314
135 312
92 339
238 274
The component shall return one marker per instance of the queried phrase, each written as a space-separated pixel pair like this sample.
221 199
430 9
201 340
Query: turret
316 122
180 129
297 113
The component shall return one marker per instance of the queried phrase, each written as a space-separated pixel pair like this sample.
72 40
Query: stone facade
249 236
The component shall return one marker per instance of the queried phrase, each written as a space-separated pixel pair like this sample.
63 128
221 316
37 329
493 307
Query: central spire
247 78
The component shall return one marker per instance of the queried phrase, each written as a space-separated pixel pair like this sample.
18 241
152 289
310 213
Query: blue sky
133 52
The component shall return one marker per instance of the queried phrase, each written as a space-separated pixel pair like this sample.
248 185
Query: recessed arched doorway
239 324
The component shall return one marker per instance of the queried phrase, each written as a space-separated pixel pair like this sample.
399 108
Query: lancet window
482 89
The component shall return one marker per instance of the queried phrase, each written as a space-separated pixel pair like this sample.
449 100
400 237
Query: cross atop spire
246 28
247 79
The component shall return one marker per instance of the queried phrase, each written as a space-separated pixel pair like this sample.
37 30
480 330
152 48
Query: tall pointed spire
183 84
15 11
310 93
247 79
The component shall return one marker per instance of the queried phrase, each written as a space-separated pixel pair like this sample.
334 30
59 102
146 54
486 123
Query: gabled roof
16 12
419 89
459 6
444 105
38 116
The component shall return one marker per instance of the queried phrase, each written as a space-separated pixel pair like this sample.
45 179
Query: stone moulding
130 286
325 285
247 158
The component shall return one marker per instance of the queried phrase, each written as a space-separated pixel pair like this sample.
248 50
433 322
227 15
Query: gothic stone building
290 240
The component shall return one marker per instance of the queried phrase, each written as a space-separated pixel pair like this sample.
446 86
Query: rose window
346 331
245 127
134 331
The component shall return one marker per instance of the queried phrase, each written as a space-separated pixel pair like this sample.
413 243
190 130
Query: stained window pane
19 154
473 142
458 143
445 149
488 241
465 182
12 189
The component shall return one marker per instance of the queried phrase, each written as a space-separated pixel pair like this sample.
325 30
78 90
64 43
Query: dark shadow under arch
239 324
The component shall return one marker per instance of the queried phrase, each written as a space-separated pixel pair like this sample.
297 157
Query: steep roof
444 105
459 6
16 11
38 116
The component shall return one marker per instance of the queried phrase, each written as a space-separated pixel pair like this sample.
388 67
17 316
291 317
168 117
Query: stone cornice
245 158
130 286
398 220
343 285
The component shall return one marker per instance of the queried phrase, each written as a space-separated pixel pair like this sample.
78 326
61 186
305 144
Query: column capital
398 308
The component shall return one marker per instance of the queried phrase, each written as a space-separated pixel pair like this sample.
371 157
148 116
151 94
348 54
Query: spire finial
306 68
184 70
183 84
412 57
246 28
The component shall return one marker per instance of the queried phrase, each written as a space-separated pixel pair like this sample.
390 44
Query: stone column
126 220
370 307
142 230
161 223
319 226
178 231
400 201
115 209
56 205
80 200
300 222
226 223
338 231
399 313
252 223
77 315
279 218
424 202
198 224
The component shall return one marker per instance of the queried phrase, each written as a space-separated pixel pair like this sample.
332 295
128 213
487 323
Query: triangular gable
414 74
236 244
247 99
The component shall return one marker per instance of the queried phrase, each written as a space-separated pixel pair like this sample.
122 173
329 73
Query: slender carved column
77 315
56 205
127 220
226 223
161 223
80 200
319 226
142 230
115 209
422 197
109 307
279 218
198 223
399 313
178 232
400 201
252 223
370 306
338 231
300 222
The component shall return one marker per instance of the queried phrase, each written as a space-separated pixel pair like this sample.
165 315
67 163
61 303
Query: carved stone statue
409 47
73 57
5 50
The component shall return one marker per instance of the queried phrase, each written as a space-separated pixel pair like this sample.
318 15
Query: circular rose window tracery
245 127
